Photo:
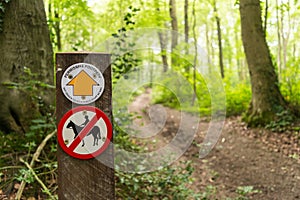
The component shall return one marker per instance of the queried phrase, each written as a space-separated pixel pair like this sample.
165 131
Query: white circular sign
82 83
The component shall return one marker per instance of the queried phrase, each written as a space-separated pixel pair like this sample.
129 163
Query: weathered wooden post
81 175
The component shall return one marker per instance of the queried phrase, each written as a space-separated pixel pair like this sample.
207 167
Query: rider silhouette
86 121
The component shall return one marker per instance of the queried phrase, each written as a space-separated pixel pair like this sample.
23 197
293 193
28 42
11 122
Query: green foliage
177 92
124 59
237 98
14 146
17 145
166 183
25 175
165 96
122 139
70 24
290 84
243 191
209 192
284 120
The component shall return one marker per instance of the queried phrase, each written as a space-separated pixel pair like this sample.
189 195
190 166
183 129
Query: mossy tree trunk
24 42
266 97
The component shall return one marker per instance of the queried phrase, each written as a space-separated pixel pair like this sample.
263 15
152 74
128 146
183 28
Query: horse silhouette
76 129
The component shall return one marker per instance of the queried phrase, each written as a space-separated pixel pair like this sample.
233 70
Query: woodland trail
241 158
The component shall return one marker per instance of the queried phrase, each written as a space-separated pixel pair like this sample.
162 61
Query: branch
30 166
46 190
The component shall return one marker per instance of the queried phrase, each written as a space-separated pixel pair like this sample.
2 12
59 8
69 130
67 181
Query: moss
258 119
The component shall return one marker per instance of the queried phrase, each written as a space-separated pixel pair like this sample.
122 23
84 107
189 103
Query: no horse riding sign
84 132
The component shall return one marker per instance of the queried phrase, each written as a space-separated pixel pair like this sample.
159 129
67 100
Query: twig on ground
30 166
46 190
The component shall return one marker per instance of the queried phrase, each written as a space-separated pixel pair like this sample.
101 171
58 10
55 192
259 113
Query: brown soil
266 162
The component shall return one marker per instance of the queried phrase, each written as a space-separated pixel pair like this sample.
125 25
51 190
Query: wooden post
84 179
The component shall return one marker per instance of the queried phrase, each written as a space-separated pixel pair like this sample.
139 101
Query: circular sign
84 132
82 83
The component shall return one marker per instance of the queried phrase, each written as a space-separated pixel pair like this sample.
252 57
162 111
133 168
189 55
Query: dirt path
236 161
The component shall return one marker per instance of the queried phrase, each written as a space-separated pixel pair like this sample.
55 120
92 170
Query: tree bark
186 22
24 42
218 21
266 16
162 36
163 45
174 24
279 48
196 54
57 30
266 97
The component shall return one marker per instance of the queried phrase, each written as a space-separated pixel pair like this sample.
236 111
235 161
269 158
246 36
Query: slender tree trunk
163 38
237 57
279 46
163 45
208 43
174 25
24 42
213 51
286 37
218 21
186 35
196 53
186 22
266 17
58 30
266 97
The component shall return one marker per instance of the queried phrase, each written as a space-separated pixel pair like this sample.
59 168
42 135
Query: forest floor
244 164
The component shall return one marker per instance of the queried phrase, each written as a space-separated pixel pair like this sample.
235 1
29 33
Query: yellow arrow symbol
83 84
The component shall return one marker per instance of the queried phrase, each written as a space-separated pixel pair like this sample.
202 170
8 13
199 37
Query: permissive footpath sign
82 83
83 112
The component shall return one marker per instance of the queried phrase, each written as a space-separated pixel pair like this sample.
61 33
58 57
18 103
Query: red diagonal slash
84 131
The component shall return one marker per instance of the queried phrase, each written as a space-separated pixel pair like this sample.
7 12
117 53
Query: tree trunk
186 23
57 30
266 97
218 21
266 16
163 45
162 36
174 24
24 42
208 42
196 54
279 48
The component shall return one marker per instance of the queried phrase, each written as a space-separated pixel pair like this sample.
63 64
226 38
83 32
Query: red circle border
68 115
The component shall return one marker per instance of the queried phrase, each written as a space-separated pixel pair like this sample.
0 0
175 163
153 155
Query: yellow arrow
83 84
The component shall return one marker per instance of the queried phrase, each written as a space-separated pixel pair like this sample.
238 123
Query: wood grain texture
84 179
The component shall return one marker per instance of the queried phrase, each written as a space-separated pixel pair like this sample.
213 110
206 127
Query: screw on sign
84 132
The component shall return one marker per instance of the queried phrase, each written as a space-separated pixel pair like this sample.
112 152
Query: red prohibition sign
71 132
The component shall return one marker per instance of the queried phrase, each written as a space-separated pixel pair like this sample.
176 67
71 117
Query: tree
186 22
73 21
218 21
174 25
266 97
162 35
24 43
